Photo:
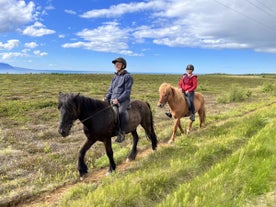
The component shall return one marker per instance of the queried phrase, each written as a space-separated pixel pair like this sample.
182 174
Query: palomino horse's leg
133 152
82 167
176 124
109 152
180 127
189 127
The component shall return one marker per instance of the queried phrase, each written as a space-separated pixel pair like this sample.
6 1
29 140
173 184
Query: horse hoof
170 141
108 173
127 160
81 178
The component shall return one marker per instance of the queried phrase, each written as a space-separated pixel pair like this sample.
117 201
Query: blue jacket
120 87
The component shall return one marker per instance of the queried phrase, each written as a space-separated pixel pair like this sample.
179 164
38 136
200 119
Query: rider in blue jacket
118 93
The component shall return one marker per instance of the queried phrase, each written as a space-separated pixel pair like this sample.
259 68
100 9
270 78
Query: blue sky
157 36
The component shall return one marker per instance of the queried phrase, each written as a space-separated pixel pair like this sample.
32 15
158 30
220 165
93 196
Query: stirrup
168 114
121 137
192 117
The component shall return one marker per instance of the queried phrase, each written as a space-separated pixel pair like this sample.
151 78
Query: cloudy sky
158 36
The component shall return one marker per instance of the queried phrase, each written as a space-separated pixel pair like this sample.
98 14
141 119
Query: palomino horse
178 106
99 124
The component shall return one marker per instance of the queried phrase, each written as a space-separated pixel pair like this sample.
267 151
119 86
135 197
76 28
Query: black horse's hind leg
151 135
133 152
109 152
153 139
82 167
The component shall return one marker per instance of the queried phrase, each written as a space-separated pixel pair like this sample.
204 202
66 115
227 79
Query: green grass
227 170
230 162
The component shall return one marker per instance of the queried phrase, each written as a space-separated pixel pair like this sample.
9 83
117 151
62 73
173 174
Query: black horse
99 124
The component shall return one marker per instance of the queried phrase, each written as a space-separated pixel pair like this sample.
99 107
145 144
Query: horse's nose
160 105
62 132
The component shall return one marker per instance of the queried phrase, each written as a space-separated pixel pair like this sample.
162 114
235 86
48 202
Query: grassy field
229 162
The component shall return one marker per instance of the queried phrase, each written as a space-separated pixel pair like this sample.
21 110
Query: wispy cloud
31 45
39 53
37 30
121 9
68 11
9 55
9 45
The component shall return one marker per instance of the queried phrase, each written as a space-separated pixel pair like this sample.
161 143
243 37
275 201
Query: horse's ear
173 91
61 94
77 95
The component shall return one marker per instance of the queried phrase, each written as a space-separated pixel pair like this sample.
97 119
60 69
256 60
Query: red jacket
188 83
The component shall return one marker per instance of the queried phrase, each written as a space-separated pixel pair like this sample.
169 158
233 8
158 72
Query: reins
89 117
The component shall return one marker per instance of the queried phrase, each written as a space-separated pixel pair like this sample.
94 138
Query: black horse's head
68 108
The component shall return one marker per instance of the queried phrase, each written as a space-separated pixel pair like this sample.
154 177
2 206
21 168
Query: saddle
116 113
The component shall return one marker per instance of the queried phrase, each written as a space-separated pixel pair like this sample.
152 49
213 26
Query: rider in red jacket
188 84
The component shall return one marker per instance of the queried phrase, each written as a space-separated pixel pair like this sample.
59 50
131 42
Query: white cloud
39 53
9 45
121 9
31 45
61 36
9 55
68 11
106 38
14 14
198 23
37 30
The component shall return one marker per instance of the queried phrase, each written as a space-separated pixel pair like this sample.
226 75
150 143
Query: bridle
164 99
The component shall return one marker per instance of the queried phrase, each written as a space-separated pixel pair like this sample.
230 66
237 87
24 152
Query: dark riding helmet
190 67
120 60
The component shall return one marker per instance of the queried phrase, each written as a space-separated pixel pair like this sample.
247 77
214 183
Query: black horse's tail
152 134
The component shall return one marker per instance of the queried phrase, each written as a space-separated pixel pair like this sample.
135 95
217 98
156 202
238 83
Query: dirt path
52 197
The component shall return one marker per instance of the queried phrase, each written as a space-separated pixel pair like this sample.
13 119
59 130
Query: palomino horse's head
165 91
67 106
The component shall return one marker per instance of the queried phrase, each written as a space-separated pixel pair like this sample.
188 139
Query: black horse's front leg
82 167
109 152
133 152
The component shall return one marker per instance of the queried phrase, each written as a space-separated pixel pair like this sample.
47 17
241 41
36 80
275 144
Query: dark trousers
123 114
190 98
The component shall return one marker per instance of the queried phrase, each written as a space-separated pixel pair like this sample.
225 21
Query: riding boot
168 114
192 117
121 136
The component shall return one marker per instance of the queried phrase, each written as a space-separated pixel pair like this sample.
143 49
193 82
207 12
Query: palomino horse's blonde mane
177 95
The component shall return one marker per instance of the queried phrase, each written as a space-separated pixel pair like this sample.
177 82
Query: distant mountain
5 66
8 69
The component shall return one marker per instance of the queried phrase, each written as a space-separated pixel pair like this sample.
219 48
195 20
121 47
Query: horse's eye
59 106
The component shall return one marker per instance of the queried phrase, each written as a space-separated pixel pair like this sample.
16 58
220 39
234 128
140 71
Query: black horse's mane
74 101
